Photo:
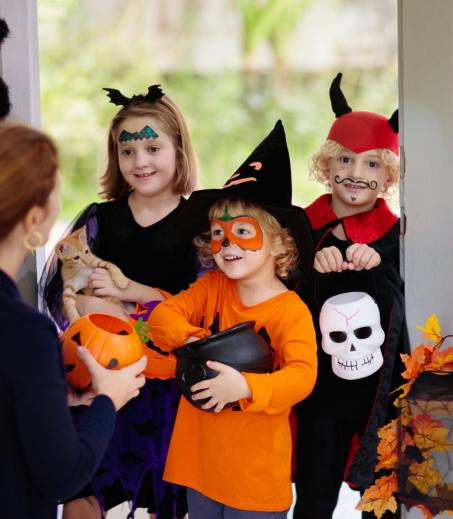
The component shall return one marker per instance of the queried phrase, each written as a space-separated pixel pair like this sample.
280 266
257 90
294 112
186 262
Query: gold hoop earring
30 247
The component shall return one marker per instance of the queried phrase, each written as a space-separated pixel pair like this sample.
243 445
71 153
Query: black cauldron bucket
240 347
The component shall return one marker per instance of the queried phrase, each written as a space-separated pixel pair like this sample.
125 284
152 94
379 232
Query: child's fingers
330 259
365 257
102 292
324 264
202 394
350 251
210 403
99 280
317 266
204 384
97 283
338 258
219 407
374 260
99 274
99 270
218 366
357 252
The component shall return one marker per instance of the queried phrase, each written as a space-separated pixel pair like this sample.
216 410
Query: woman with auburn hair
44 457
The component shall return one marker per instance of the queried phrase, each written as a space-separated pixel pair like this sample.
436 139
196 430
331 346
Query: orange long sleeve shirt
240 459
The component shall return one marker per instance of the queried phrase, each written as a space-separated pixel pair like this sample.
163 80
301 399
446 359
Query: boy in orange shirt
236 462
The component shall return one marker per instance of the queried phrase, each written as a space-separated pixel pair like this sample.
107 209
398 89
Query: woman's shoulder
23 325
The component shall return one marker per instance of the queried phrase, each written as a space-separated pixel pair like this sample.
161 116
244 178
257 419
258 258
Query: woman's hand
361 256
74 399
228 386
102 283
119 385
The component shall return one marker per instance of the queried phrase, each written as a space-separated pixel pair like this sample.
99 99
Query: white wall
426 87
20 70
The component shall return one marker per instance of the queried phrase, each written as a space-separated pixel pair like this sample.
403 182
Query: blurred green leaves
271 21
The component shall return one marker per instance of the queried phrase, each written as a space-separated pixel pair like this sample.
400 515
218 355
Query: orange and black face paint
231 227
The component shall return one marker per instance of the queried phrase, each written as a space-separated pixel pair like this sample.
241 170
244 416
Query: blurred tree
271 21
85 46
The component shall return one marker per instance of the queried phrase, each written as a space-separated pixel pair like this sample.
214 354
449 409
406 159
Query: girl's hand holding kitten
103 285
101 281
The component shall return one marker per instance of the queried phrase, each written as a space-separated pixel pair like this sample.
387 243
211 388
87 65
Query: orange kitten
78 263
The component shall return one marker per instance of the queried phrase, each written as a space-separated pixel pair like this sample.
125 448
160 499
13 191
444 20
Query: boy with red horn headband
357 249
236 462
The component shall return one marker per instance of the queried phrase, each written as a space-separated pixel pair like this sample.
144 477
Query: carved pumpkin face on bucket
111 341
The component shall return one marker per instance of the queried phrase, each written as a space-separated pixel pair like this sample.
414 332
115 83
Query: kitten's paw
73 316
121 282
120 279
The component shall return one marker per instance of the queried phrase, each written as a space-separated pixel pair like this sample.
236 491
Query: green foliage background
228 114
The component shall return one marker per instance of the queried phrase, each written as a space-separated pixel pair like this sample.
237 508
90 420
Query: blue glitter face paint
146 133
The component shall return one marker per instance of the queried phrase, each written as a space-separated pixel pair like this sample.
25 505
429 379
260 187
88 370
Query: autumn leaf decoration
410 441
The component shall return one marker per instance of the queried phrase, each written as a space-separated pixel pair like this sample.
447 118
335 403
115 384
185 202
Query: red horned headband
361 131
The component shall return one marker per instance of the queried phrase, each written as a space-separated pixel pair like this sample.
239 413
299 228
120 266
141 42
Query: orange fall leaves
427 435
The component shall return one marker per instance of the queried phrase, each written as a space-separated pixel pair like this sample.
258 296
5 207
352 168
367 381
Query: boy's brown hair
282 241
168 116
319 165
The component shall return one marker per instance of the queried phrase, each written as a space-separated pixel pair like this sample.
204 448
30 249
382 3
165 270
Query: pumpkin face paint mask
243 231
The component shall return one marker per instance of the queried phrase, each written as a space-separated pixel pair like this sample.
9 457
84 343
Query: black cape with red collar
380 229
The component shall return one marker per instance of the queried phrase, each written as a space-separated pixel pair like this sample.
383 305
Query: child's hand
102 283
361 256
328 260
192 338
228 386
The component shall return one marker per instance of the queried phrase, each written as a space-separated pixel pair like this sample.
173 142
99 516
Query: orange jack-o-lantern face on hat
111 341
243 231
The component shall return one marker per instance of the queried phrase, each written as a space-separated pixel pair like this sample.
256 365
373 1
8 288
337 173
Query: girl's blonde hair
168 116
319 165
282 241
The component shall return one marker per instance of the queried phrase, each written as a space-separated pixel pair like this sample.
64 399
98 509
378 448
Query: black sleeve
61 459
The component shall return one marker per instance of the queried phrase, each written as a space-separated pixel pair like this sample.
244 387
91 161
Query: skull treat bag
352 334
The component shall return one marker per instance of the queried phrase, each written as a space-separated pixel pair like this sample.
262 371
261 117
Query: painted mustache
372 185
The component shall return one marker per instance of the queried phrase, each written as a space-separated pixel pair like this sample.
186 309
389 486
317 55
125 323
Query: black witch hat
264 179
5 103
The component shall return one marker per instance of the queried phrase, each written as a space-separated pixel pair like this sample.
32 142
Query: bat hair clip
117 98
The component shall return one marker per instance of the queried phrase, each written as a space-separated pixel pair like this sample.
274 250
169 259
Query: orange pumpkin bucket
111 341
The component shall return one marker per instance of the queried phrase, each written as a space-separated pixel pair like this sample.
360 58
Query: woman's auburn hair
168 116
319 165
281 240
28 168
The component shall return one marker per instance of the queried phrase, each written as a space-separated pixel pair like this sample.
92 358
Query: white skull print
352 334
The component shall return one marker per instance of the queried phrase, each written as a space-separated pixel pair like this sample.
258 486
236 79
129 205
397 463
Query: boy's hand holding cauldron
228 386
